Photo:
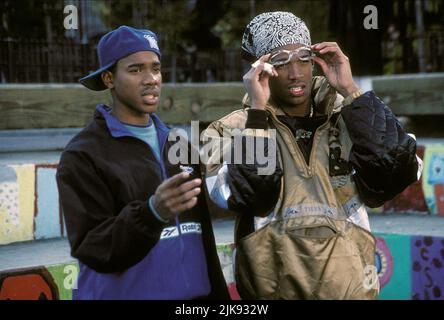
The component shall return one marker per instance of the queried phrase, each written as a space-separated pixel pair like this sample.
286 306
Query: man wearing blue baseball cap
138 225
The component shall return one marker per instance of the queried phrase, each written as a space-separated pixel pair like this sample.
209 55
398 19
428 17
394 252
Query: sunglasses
282 57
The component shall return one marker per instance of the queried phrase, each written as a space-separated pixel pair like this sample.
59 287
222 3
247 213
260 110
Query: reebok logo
189 227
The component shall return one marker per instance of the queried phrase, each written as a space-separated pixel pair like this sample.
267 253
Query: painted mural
48 220
17 190
39 283
30 209
427 268
394 276
413 269
25 285
226 254
433 178
383 261
412 199
29 204
409 267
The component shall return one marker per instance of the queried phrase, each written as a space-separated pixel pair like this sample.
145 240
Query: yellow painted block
17 205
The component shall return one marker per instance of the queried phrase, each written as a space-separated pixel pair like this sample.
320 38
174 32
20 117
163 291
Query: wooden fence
71 105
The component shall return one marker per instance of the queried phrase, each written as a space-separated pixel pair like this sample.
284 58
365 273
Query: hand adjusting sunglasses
282 57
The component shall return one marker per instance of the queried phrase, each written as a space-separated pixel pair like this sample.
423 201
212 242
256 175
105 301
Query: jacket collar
117 129
326 99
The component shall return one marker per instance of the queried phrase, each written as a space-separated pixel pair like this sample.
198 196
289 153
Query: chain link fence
65 62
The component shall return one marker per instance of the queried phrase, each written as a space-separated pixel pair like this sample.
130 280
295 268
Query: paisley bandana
271 30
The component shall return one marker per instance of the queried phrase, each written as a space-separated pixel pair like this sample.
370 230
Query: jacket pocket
321 260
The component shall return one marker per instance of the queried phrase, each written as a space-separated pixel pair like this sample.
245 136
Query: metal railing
36 61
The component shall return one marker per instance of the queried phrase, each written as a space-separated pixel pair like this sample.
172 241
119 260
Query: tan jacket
307 190
322 216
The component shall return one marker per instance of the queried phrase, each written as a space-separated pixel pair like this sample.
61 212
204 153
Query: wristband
349 99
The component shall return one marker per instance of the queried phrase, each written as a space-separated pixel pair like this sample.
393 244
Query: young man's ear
108 79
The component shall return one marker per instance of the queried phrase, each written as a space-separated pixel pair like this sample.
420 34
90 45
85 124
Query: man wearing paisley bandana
302 232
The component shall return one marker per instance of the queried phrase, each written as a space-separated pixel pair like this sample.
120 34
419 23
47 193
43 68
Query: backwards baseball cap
270 30
116 45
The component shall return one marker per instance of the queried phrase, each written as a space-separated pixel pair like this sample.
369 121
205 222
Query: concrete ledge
35 139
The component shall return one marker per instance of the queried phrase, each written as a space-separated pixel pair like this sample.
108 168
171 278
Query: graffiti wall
427 268
40 283
409 267
412 199
226 254
56 282
393 263
29 204
433 179
425 196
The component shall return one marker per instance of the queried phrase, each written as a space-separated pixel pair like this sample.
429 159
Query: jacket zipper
307 168
177 221
164 177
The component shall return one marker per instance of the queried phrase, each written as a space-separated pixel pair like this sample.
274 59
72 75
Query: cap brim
94 81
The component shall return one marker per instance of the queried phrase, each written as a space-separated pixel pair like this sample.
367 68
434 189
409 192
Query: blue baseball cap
116 45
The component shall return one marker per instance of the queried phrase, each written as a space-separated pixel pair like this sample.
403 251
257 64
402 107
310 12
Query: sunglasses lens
279 58
283 57
304 55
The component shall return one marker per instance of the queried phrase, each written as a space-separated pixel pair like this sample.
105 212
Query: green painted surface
399 287
65 277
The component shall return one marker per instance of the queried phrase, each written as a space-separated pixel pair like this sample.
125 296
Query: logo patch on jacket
189 227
